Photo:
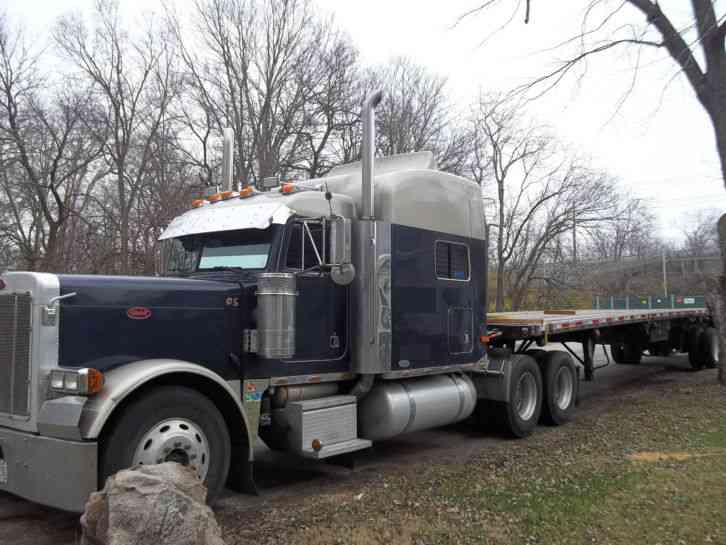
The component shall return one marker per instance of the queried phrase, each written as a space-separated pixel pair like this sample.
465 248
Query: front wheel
169 424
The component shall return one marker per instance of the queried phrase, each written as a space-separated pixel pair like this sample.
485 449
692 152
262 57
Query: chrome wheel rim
564 388
174 440
526 396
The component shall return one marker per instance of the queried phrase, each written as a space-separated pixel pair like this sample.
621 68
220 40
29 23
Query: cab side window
300 250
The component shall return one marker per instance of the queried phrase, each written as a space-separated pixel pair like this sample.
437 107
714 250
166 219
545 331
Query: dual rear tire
543 389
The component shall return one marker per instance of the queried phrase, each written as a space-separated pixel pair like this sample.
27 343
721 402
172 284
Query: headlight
84 381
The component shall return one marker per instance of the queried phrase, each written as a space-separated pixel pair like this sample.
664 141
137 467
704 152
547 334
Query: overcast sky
659 144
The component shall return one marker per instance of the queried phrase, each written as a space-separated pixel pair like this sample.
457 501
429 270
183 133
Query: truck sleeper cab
319 317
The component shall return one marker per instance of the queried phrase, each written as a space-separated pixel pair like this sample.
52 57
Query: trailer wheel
694 344
561 388
169 424
708 347
519 416
626 353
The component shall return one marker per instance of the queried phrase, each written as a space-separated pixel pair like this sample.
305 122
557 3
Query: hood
113 320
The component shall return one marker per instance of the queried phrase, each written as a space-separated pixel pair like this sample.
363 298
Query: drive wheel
694 352
169 424
560 388
519 416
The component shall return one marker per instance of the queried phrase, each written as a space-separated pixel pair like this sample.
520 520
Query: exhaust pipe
367 360
227 156
369 152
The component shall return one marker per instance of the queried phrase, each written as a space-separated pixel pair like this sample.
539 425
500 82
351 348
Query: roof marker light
215 198
246 192
196 203
226 195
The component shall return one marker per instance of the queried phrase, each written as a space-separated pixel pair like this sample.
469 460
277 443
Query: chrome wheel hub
525 400
564 388
175 440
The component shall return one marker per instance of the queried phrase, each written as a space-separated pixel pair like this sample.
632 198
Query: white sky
666 155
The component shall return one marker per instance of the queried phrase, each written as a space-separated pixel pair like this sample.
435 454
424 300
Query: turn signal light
196 203
287 188
317 445
245 192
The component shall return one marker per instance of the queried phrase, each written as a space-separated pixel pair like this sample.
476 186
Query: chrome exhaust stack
372 259
368 153
227 157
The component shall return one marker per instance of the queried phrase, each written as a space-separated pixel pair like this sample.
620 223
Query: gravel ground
290 486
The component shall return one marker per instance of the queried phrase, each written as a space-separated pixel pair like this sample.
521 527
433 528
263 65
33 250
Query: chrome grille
15 332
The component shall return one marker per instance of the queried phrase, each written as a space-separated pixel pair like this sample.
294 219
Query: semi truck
319 317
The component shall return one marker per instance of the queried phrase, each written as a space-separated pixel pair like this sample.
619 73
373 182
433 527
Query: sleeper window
452 261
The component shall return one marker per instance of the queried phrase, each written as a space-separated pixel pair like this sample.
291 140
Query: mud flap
242 477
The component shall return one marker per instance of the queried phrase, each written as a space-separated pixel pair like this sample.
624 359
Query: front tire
170 423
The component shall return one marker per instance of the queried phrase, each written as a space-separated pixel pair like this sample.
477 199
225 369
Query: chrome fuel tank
396 407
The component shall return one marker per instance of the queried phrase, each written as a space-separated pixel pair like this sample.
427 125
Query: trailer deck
537 323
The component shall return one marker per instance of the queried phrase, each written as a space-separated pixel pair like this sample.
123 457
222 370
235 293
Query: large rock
151 505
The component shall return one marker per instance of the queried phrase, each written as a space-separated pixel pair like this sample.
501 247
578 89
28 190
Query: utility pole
574 235
665 275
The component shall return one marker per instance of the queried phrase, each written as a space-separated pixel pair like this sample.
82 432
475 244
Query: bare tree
135 80
47 151
697 49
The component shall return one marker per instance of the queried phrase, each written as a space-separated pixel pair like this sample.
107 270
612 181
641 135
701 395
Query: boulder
151 505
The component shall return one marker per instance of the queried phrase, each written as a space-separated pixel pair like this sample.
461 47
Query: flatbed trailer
660 332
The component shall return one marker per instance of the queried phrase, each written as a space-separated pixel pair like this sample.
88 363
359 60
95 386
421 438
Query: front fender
123 381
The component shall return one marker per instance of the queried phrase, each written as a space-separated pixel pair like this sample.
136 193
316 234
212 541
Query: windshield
245 250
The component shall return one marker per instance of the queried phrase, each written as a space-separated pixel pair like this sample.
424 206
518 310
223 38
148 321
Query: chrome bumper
54 472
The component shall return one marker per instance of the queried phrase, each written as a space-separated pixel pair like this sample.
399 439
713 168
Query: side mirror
342 270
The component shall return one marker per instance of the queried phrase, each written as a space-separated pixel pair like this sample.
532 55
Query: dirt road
286 481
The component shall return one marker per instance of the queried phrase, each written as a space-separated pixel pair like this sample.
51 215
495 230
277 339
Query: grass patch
587 482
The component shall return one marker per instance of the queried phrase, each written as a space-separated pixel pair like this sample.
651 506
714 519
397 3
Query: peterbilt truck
319 317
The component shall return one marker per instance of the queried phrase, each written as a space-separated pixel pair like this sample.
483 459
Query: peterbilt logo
138 313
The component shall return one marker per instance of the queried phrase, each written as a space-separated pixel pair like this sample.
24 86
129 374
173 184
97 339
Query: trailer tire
519 416
191 420
694 344
626 353
561 388
709 348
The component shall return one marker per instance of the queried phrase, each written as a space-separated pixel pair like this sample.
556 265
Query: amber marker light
227 195
196 203
317 445
215 198
246 192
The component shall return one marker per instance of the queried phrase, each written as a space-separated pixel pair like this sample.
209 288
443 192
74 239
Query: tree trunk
719 311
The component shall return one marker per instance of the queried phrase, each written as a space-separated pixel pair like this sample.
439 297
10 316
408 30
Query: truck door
321 307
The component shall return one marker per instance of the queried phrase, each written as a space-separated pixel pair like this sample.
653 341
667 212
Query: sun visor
227 216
